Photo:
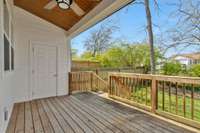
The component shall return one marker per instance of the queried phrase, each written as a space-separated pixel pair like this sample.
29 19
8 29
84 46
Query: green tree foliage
112 58
125 55
194 71
129 55
172 68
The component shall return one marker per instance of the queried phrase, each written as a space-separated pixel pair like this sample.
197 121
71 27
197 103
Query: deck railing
86 81
174 97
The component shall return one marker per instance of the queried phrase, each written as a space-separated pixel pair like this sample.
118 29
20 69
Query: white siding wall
15 85
28 29
6 78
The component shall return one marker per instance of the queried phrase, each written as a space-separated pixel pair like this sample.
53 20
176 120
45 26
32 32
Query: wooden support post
154 95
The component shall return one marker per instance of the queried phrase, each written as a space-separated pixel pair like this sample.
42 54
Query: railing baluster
134 88
170 96
79 81
184 111
141 89
192 102
146 95
130 87
91 81
137 88
163 96
82 81
70 82
76 85
176 87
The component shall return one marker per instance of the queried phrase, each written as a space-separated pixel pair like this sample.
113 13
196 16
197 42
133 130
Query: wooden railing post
91 81
109 84
97 71
154 95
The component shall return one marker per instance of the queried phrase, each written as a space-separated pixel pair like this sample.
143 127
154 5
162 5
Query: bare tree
100 39
186 33
150 35
149 28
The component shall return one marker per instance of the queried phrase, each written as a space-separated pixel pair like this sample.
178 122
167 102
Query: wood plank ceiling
62 18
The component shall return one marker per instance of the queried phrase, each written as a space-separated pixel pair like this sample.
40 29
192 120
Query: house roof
194 56
65 19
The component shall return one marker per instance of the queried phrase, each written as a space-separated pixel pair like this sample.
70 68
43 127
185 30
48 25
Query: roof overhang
101 10
64 19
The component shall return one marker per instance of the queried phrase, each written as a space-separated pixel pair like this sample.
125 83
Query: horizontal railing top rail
174 79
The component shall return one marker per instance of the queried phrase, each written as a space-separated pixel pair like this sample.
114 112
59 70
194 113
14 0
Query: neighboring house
188 59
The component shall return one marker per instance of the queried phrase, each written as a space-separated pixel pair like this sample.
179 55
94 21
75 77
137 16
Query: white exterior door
44 73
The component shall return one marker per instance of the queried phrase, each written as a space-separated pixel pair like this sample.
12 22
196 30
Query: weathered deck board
11 126
36 119
84 113
20 124
44 119
142 122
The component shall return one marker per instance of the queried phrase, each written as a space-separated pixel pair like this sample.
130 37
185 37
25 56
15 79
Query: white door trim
31 44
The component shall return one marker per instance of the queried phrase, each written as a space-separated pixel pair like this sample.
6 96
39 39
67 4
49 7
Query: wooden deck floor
84 113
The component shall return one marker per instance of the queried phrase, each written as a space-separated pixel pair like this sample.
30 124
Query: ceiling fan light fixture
64 4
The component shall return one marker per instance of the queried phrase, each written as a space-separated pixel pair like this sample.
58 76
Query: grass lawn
140 96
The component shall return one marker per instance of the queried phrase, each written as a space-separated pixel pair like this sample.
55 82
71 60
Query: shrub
172 68
194 71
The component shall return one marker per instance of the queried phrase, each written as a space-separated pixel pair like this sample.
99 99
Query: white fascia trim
104 9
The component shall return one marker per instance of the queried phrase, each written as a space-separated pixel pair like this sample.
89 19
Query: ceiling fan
65 4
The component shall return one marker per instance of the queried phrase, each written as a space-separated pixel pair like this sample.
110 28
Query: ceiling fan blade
77 9
50 5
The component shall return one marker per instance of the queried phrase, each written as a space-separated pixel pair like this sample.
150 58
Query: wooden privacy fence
177 98
103 72
86 81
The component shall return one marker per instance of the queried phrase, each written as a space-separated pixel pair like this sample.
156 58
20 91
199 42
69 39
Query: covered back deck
37 87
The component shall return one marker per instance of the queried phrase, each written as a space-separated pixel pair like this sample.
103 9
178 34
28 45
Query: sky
131 21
